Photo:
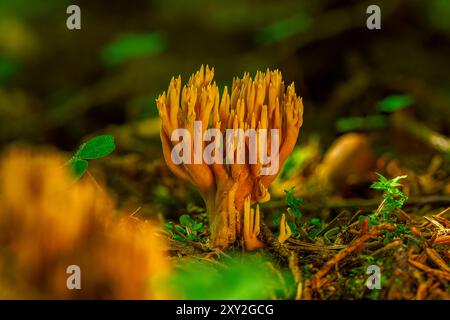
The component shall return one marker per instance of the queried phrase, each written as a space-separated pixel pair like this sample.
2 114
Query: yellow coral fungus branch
285 230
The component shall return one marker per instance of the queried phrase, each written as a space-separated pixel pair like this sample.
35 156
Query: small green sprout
394 198
386 184
192 227
188 228
293 203
394 103
293 212
94 148
174 230
393 201
309 229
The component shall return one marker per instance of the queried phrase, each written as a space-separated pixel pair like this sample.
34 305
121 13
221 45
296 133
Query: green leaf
191 236
371 122
180 229
283 29
395 102
129 46
378 186
382 178
96 147
394 182
186 221
293 203
168 225
78 166
381 184
393 197
385 184
197 227
178 237
315 222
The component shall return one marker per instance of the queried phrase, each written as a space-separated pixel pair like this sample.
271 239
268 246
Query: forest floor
370 238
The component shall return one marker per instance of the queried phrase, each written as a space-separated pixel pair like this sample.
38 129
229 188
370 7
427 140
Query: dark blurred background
58 85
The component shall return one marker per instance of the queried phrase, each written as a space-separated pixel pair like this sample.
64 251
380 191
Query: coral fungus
262 103
48 222
285 230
